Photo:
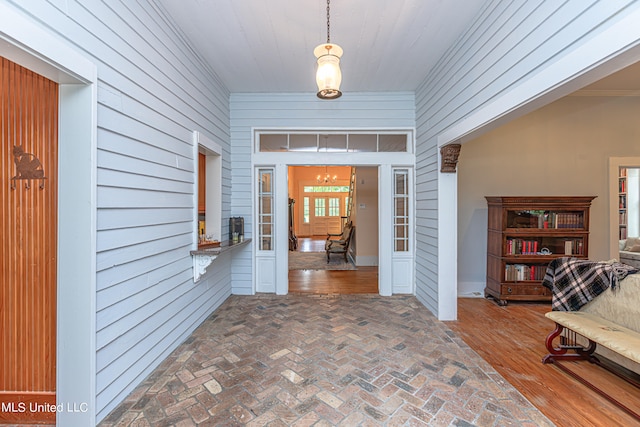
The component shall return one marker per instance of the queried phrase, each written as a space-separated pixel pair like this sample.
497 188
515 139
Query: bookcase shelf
622 203
524 234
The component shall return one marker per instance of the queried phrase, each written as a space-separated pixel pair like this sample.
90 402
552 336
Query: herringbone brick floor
305 360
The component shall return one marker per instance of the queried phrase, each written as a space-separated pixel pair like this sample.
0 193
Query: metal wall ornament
28 167
449 157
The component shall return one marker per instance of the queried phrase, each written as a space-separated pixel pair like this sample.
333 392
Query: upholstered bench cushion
630 258
614 337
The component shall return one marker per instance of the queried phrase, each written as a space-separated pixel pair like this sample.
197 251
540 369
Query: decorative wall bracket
201 262
28 167
449 154
202 258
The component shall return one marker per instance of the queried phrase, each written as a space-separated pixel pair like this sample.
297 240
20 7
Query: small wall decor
449 155
28 167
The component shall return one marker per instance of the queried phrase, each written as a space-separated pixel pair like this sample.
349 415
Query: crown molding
607 93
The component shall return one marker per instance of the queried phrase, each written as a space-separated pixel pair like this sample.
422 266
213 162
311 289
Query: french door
325 214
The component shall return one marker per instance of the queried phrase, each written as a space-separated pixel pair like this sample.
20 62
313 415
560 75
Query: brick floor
309 360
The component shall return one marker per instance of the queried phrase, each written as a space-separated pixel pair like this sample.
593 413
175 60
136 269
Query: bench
571 325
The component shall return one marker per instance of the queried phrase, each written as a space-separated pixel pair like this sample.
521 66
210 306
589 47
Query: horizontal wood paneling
508 43
153 92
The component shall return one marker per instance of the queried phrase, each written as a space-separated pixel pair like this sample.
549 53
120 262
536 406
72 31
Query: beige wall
561 149
366 210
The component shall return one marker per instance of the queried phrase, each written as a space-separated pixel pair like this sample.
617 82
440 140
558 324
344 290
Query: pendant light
328 75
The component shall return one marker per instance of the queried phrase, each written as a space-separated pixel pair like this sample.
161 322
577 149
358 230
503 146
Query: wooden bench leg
560 353
567 343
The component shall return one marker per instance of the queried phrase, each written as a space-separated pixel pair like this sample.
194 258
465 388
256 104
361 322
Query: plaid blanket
574 282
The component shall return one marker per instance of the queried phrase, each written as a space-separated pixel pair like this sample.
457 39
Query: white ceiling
267 45
389 45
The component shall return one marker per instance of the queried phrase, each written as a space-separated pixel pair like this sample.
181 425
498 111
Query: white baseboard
366 261
471 289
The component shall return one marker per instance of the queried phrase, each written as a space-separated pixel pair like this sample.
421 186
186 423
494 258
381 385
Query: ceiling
389 45
267 45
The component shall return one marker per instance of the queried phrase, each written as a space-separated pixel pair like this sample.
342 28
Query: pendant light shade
328 75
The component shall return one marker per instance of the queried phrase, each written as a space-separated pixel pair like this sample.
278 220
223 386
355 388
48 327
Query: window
326 189
305 210
336 142
334 206
209 184
265 209
401 210
319 207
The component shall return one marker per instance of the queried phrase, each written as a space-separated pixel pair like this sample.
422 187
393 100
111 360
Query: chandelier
326 178
328 75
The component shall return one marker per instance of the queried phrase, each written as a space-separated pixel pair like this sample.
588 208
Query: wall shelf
202 258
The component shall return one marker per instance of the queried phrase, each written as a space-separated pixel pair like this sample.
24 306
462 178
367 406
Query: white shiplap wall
501 57
152 93
299 111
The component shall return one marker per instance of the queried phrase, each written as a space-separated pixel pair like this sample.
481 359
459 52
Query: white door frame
28 45
281 162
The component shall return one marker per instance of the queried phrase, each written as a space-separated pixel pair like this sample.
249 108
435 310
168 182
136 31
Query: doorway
624 201
387 154
321 198
76 76
29 197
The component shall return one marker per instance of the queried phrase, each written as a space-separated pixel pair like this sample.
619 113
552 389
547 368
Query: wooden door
28 228
325 214
319 217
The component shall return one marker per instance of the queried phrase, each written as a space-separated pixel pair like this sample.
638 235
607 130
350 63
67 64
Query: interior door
319 217
325 214
28 254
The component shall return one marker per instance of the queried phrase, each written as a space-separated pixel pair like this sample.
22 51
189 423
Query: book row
546 219
622 204
515 272
515 246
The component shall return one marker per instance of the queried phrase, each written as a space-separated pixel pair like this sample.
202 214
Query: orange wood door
28 230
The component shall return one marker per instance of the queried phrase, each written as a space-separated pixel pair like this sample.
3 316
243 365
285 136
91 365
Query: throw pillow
635 248
631 242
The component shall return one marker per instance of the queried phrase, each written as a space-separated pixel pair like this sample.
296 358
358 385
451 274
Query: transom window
326 189
361 142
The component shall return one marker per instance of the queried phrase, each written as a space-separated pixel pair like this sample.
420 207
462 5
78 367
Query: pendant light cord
328 24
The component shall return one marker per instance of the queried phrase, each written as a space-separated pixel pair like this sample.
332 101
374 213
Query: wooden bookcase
524 235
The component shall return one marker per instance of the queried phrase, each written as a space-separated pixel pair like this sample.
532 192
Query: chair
339 243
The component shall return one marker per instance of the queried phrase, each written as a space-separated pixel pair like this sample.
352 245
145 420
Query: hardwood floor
512 338
364 280
311 244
